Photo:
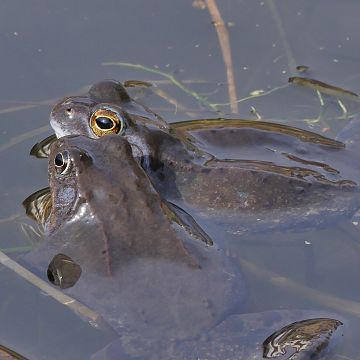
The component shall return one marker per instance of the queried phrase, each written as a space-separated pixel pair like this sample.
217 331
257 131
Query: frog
257 175
114 244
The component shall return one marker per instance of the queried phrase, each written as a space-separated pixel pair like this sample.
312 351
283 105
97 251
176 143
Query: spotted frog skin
253 175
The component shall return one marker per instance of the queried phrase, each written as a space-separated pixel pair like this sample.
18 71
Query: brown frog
253 175
138 265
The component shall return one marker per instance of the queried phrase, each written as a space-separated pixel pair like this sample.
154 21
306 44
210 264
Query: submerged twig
20 138
168 82
324 88
9 354
91 316
322 298
330 90
256 94
17 249
176 103
170 77
225 46
34 104
9 218
288 52
18 108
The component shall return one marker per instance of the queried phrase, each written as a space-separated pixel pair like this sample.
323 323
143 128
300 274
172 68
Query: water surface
49 50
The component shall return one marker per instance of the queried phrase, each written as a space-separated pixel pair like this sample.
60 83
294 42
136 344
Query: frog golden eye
62 162
104 122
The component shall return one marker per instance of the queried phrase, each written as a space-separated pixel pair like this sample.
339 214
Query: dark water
49 50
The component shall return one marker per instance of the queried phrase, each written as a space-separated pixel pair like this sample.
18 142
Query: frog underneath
160 288
252 175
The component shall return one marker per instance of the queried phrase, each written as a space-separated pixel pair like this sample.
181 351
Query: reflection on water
300 337
63 271
54 49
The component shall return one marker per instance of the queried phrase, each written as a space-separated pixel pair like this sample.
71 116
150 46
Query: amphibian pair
113 209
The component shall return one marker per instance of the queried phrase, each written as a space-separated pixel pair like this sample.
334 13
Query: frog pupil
104 123
59 160
50 276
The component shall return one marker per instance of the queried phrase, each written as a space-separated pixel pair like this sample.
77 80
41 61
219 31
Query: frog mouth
59 131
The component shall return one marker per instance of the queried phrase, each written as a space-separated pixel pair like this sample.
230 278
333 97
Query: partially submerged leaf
8 354
302 68
187 222
63 271
323 87
221 123
38 205
309 336
42 148
137 83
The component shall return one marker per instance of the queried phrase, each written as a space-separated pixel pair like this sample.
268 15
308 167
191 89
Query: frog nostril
69 112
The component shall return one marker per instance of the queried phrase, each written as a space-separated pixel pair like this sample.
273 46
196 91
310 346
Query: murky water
49 50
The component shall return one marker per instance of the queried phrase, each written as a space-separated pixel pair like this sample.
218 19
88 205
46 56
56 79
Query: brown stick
224 41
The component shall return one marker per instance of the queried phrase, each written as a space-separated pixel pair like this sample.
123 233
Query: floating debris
38 205
137 83
63 271
323 87
8 354
41 149
302 68
310 336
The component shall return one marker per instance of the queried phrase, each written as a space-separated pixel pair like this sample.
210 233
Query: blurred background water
53 49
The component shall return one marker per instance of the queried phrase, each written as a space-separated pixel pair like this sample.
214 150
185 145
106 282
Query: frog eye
104 122
62 162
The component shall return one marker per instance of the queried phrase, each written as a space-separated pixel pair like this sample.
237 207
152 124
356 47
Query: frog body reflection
157 285
252 175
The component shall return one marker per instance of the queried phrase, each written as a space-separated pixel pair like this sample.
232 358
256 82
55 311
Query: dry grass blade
191 82
168 82
47 102
324 88
176 103
9 218
8 354
224 41
20 138
288 52
168 76
22 107
17 108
